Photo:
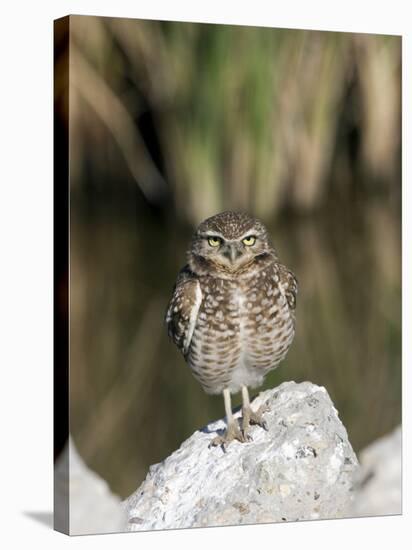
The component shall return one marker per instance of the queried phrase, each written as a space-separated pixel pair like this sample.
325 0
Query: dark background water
174 122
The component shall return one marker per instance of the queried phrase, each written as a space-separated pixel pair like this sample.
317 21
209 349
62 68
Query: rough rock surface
93 508
301 468
379 480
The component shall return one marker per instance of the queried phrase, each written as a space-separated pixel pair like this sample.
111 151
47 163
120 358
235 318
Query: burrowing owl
232 312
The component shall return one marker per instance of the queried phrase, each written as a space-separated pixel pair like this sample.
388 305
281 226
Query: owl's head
229 241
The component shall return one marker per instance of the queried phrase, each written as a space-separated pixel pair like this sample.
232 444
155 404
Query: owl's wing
288 284
183 309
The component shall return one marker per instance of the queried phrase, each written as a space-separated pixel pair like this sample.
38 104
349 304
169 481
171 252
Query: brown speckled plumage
232 313
244 323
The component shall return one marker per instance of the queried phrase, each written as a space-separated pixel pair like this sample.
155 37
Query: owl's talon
250 417
232 432
247 436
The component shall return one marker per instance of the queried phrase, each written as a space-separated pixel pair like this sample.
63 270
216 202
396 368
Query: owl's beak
232 251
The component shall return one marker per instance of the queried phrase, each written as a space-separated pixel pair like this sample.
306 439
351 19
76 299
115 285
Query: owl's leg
232 431
250 417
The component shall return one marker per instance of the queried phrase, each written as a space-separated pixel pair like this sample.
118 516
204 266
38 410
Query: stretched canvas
227 252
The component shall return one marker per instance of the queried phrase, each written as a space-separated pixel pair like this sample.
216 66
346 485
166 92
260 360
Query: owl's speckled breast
244 328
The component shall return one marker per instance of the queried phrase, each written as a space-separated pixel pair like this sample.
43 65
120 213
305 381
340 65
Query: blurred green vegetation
173 122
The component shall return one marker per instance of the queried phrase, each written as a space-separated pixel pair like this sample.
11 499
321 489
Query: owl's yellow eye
214 241
249 241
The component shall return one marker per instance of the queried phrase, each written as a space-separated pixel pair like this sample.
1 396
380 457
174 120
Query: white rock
84 503
379 480
301 468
